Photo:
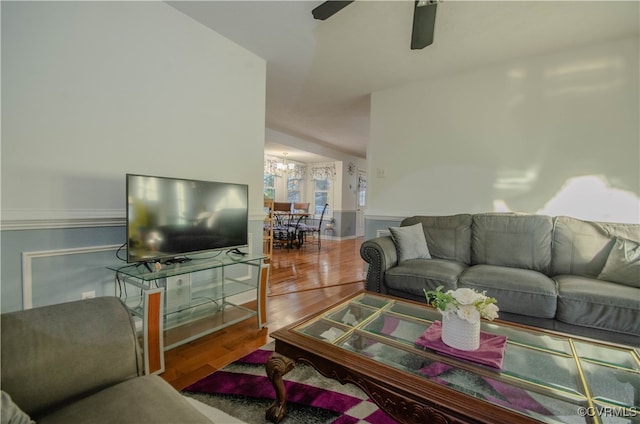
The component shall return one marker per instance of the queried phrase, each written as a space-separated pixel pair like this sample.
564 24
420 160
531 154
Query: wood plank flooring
301 282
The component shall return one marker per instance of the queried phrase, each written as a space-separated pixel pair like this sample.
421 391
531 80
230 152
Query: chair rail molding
385 217
37 219
31 219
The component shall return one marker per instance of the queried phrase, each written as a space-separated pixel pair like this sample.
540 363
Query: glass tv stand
181 302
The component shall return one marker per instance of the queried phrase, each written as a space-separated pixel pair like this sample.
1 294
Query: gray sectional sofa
558 273
79 362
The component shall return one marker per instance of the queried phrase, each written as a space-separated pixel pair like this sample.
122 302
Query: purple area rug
243 391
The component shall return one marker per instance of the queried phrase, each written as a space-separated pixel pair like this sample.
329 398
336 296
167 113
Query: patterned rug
243 391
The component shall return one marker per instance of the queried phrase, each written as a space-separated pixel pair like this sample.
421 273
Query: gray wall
65 263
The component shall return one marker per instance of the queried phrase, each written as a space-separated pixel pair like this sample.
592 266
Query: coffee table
369 340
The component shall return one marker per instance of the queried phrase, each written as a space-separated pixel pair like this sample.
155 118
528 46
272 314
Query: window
269 186
294 192
321 195
362 190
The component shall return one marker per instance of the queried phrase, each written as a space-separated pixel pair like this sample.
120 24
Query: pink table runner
490 352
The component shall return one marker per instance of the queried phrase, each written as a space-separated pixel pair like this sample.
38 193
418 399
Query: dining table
287 228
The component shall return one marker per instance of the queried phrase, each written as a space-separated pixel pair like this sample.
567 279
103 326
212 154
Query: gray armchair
80 362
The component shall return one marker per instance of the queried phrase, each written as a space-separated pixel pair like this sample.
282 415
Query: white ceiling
320 73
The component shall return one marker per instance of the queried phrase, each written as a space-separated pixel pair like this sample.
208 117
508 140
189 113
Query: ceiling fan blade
329 8
424 19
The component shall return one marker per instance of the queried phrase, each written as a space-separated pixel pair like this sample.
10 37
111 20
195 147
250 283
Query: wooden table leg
277 366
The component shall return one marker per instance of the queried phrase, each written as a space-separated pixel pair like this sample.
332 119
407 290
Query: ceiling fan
424 18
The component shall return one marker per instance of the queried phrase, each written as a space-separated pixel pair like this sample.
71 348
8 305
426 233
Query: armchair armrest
380 254
54 354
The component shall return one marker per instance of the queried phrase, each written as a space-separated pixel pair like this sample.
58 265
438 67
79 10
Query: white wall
93 90
511 137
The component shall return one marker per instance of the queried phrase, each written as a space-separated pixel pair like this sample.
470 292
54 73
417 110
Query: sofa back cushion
57 353
582 247
512 240
623 263
448 237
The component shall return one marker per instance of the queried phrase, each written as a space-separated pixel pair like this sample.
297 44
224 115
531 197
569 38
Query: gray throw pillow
623 263
410 242
11 413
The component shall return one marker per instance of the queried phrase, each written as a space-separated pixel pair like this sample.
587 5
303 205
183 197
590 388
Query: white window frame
266 187
329 192
300 190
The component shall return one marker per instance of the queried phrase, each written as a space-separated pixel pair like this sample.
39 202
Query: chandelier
285 165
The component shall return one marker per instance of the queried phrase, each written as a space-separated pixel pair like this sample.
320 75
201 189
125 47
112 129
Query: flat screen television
168 218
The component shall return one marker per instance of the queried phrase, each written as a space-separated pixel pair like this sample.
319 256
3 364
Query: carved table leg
277 367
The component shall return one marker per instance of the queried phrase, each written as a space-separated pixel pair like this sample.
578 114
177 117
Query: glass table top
551 377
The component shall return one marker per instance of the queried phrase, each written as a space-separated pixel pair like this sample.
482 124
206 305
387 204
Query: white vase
460 334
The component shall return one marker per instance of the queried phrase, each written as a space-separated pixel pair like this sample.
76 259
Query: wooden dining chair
281 214
282 206
299 207
314 231
281 211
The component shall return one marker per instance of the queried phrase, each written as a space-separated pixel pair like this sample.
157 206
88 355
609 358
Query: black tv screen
170 217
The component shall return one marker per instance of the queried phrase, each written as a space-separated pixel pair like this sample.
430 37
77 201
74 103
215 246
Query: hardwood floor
301 282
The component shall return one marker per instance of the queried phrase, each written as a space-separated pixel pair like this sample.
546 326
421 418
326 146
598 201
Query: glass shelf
139 271
195 296
214 287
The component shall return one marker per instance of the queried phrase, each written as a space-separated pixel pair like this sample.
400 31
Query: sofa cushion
410 242
623 263
582 247
416 275
448 237
519 291
598 304
512 240
147 399
46 341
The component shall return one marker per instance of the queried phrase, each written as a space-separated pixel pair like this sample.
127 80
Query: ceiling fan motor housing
424 18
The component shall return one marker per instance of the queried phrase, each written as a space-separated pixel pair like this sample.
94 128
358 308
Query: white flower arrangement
466 303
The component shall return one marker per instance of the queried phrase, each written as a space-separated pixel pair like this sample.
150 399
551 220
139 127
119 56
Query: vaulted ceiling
320 74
